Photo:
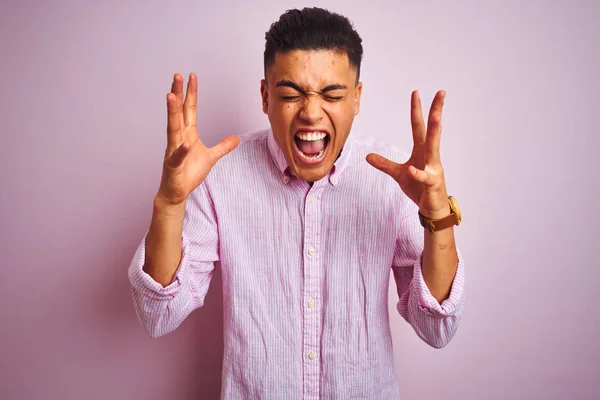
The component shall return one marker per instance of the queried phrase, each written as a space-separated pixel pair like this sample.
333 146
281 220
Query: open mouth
311 146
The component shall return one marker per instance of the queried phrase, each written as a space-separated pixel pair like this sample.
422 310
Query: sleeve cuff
427 303
144 283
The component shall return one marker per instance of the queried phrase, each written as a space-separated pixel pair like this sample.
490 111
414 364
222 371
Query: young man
307 232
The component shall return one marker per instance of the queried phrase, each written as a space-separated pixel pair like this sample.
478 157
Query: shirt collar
282 166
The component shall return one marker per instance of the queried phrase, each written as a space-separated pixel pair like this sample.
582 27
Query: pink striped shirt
306 272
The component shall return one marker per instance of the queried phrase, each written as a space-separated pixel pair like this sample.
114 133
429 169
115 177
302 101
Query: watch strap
438 225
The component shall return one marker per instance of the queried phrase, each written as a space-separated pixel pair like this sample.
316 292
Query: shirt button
312 199
311 251
333 179
310 304
312 355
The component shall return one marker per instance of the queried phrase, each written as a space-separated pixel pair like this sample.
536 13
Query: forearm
440 262
431 296
163 243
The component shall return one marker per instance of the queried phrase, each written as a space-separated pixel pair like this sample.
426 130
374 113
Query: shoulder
363 145
249 158
254 138
368 185
252 147
251 142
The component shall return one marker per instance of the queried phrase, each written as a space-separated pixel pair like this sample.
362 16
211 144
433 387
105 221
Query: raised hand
187 160
421 177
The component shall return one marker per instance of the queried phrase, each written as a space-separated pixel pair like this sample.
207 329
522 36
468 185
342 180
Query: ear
264 92
357 95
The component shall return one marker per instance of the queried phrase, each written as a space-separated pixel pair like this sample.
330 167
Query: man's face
311 98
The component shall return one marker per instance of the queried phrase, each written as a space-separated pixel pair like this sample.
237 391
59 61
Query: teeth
316 156
311 136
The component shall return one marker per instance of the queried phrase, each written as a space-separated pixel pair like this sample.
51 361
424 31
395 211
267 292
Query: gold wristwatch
435 225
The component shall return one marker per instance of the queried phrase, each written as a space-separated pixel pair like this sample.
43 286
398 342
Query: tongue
310 147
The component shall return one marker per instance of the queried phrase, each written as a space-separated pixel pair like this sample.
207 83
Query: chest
287 221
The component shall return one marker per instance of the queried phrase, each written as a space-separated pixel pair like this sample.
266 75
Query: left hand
421 177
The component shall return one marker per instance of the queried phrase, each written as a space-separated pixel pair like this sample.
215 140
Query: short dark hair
313 29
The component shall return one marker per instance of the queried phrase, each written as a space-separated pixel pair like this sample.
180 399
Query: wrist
438 220
437 214
166 209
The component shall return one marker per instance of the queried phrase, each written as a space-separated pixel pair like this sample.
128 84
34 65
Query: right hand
187 160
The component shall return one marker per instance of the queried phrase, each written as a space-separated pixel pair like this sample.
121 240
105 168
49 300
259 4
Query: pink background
83 132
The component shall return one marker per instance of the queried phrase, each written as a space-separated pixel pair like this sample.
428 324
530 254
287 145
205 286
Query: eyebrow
295 86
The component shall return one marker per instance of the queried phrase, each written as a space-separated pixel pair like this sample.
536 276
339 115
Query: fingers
177 90
174 109
416 119
223 147
382 164
176 158
434 128
173 122
191 101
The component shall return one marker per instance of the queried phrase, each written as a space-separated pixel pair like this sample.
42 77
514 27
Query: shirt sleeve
162 309
433 322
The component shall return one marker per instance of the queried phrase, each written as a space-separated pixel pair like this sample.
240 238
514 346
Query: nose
311 111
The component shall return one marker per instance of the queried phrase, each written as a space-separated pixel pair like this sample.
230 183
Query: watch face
455 209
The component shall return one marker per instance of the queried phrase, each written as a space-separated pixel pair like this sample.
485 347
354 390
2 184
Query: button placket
312 284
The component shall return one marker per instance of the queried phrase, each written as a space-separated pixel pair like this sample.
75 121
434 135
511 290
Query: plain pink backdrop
83 89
